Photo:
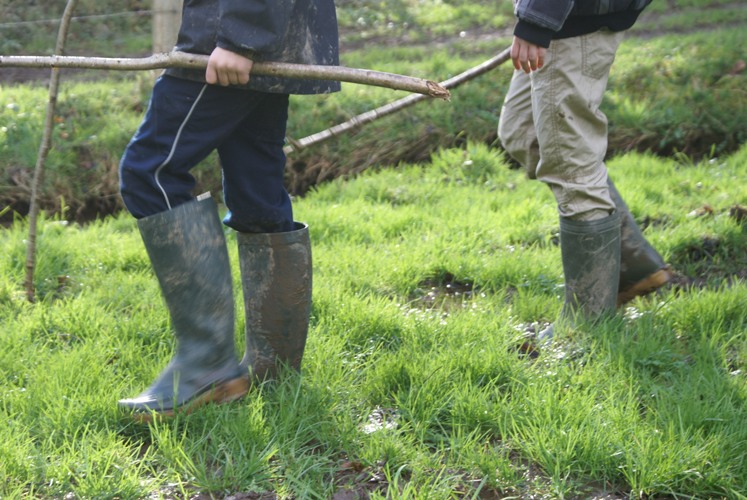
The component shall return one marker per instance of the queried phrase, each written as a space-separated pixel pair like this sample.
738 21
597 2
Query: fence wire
137 13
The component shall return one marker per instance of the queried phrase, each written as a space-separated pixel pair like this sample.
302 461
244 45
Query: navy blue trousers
184 123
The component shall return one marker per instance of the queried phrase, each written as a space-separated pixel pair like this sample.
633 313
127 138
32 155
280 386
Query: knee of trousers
142 196
520 143
523 150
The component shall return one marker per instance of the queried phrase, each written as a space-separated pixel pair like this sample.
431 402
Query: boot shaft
188 252
590 252
276 277
638 259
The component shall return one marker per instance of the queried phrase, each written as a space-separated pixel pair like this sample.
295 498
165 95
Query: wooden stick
392 107
41 158
196 61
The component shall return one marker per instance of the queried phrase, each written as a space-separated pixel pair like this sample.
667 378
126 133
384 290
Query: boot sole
645 286
226 392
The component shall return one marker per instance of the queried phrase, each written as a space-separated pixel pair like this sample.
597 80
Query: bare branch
46 143
392 107
195 61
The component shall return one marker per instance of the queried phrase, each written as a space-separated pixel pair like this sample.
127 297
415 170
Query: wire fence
136 13
117 33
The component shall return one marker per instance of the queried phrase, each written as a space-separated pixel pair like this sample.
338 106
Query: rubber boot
590 252
642 269
276 280
187 249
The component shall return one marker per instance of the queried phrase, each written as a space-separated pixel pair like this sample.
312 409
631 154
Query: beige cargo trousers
551 123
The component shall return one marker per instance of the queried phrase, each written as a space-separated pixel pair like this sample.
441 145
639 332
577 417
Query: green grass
408 390
429 262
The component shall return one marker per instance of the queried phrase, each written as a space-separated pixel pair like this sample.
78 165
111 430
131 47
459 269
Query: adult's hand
228 68
527 56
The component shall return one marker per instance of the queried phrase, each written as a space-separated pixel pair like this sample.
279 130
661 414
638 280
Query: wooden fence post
166 22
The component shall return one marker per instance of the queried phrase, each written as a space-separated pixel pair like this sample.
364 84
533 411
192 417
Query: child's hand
527 56
228 68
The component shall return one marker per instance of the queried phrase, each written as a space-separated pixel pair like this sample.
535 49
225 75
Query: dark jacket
541 21
293 31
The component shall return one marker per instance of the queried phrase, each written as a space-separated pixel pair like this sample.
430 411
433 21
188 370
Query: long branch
392 107
196 61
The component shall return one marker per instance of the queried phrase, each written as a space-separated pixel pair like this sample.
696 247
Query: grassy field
432 258
412 386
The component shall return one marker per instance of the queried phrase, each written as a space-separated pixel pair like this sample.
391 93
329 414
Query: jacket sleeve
539 19
253 28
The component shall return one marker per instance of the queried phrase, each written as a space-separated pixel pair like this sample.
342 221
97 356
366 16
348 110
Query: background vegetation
432 259
678 87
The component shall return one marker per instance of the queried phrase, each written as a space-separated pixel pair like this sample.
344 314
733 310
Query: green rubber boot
276 280
187 249
642 269
590 251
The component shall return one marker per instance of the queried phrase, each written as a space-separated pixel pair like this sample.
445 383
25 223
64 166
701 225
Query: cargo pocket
598 51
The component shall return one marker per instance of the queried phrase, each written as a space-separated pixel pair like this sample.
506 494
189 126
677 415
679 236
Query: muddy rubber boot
276 281
187 249
590 252
642 269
